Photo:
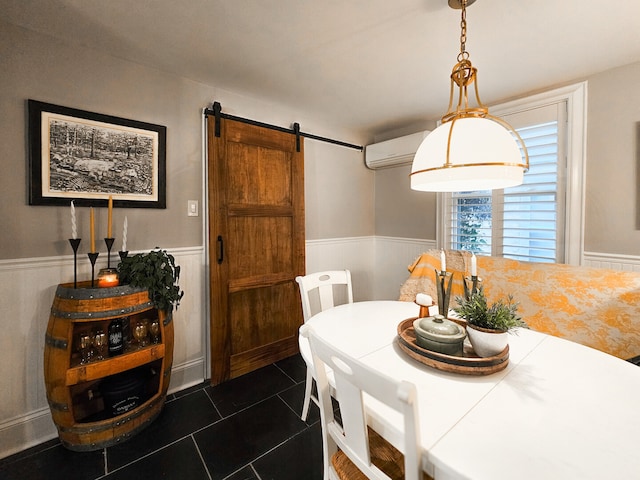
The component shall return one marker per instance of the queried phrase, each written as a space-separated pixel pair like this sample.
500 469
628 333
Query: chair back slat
317 290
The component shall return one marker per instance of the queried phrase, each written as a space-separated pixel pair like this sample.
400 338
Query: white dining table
559 410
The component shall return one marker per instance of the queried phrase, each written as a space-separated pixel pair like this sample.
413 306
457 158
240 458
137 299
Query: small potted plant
158 273
488 325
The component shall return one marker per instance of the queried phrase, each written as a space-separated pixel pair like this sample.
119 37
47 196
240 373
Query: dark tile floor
246 429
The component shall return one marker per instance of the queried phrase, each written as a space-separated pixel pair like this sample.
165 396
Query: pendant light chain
464 55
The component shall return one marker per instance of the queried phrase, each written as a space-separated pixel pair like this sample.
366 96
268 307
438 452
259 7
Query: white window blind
530 210
524 222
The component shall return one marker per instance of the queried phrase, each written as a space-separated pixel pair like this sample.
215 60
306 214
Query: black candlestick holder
123 255
75 243
444 290
471 286
109 242
93 256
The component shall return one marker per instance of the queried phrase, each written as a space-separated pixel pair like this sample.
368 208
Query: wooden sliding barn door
256 245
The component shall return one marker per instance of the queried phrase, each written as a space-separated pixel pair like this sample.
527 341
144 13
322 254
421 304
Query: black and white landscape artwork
92 158
88 157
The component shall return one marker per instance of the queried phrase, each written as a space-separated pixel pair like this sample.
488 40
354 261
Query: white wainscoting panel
190 348
28 287
352 253
628 263
378 264
393 256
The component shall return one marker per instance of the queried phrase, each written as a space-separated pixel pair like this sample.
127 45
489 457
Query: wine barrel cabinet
97 400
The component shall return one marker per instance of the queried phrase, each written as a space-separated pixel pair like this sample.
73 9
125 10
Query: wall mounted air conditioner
394 152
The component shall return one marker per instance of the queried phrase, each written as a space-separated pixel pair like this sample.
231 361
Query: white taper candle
74 225
124 235
109 215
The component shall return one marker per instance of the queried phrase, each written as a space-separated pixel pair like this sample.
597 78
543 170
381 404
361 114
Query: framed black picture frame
87 157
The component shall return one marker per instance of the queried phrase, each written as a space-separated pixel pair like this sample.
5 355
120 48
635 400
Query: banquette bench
596 307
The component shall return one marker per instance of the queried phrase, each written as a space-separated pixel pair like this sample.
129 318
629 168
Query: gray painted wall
400 211
612 214
38 67
43 69
343 198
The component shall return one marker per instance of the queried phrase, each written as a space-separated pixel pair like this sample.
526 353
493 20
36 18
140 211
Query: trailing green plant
501 315
158 273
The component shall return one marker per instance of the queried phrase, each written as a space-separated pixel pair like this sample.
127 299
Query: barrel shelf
99 403
110 366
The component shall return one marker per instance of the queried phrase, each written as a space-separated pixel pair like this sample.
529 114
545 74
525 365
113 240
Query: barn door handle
220 249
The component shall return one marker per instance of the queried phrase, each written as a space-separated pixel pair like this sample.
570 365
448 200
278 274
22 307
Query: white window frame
575 96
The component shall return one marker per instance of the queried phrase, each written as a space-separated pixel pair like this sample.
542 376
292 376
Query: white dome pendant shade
482 155
471 150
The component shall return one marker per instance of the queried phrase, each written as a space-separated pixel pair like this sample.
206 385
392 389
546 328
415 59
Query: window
529 222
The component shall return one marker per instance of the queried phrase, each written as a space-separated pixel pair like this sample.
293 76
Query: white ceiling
366 65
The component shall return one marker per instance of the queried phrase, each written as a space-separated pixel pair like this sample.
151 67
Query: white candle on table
124 235
443 261
474 265
74 225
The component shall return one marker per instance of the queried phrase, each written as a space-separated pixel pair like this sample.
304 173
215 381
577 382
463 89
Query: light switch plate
192 208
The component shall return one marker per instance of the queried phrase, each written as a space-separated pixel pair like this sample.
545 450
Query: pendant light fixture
471 149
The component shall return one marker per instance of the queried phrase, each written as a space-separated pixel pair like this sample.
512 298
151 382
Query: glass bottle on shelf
116 344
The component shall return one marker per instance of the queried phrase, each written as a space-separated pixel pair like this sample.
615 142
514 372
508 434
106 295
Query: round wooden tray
468 364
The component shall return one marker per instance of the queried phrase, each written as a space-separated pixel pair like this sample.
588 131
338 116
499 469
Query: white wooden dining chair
320 291
352 450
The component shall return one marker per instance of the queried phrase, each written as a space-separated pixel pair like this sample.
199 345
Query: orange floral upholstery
596 307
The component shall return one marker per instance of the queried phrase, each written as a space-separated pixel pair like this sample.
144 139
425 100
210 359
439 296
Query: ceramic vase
485 342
